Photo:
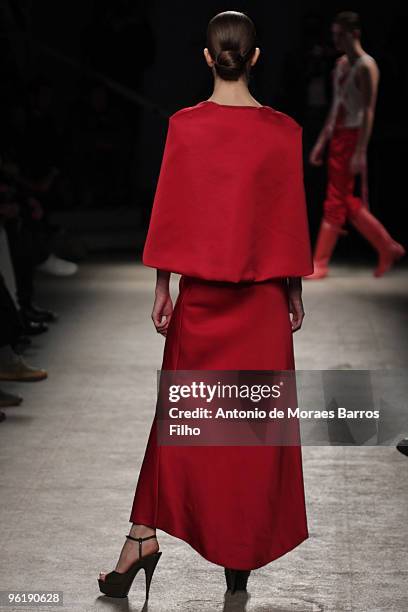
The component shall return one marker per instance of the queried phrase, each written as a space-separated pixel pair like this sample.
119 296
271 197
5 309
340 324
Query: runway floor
70 455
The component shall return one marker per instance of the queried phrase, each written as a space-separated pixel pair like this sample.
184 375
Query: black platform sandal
117 584
237 580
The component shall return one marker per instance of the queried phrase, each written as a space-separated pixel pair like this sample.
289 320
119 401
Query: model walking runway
229 215
347 132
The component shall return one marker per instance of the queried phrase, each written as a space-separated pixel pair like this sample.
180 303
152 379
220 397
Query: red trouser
340 202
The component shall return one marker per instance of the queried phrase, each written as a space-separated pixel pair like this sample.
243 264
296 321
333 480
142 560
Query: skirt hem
210 558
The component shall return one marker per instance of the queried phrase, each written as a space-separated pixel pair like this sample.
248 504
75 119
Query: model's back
237 125
230 202
229 206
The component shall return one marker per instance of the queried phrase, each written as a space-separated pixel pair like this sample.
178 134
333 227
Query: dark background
140 61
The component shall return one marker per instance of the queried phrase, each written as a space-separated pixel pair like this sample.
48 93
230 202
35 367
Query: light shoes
18 370
55 266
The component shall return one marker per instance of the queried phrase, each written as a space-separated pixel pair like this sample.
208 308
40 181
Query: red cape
230 200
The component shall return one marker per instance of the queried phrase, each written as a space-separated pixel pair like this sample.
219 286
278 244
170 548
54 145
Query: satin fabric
238 506
340 202
230 199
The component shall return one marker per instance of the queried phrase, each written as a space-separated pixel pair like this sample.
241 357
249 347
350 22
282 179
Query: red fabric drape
238 506
230 200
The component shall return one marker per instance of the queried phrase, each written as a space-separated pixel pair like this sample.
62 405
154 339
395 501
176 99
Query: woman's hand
316 154
358 162
163 305
295 302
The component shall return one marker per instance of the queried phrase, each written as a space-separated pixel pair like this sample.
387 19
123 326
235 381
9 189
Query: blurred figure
348 129
12 365
39 159
14 321
23 244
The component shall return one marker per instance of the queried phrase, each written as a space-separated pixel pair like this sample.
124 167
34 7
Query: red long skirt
238 506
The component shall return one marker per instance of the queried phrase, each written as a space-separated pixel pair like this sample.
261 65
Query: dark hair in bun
231 41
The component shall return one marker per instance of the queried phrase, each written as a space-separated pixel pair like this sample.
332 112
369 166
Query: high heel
117 584
237 580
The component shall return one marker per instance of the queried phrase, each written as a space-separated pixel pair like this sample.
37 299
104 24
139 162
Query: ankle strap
140 540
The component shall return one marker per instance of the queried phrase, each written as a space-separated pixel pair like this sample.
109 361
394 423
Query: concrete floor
70 456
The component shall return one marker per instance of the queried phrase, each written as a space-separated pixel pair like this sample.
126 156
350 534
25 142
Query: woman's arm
369 77
163 305
295 301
